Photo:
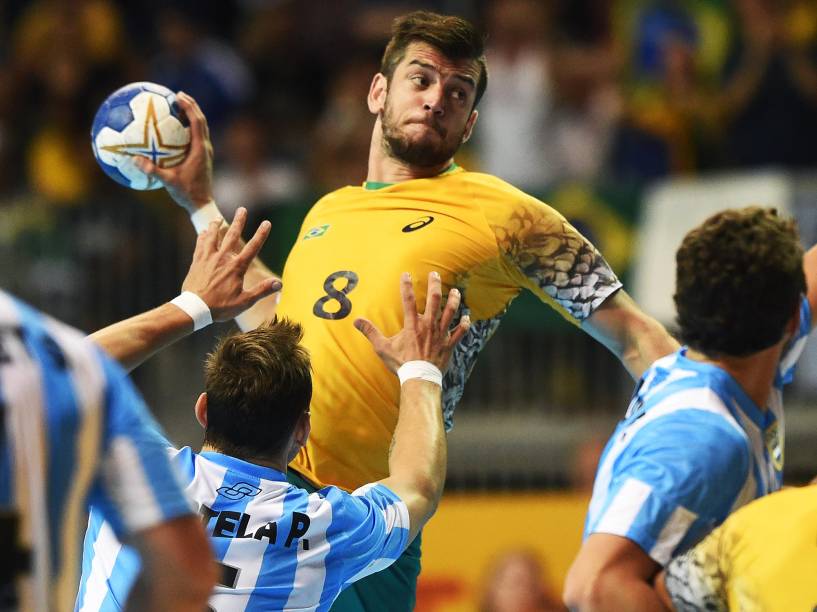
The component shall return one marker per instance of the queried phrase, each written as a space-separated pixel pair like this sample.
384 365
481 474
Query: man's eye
419 79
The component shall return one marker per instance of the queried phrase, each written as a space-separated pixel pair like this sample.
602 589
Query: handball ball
139 119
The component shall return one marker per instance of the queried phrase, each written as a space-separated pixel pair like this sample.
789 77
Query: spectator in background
189 60
341 138
516 583
552 115
61 50
771 114
514 112
249 177
672 53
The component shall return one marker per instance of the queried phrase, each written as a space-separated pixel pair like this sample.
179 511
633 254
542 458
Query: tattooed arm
564 269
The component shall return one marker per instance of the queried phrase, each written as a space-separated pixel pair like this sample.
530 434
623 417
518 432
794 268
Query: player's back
692 448
482 235
52 389
278 547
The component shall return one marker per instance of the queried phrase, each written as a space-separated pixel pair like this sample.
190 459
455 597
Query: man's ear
201 410
469 126
376 99
794 322
302 429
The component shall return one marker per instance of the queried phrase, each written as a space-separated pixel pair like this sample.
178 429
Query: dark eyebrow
462 77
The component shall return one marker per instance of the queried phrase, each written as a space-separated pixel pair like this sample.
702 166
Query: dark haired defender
703 434
417 210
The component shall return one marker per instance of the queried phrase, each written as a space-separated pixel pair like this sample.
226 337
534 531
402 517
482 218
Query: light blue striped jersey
278 546
692 448
72 430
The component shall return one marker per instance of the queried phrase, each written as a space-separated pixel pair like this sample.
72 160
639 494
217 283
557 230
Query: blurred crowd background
591 105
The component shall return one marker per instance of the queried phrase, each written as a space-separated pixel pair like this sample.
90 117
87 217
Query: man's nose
434 100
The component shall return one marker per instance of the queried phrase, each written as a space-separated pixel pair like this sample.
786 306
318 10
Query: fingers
433 296
461 329
262 289
368 329
233 235
199 131
253 247
450 310
409 301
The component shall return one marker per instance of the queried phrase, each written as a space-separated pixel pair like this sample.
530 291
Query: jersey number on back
340 304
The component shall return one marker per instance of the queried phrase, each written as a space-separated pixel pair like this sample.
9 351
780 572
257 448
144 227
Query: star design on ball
152 145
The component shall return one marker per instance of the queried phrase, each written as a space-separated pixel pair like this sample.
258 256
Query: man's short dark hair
454 37
739 281
258 384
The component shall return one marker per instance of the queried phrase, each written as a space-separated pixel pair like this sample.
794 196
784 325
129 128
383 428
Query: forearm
647 341
132 341
634 337
417 458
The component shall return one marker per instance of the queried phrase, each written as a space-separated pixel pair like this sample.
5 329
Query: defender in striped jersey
280 547
74 429
703 434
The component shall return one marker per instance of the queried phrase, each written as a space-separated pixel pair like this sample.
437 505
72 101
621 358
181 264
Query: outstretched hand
424 336
190 183
217 272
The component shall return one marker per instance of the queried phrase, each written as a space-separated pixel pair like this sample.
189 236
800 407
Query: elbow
430 489
426 493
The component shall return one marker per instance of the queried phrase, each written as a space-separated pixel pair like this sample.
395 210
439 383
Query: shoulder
488 186
338 195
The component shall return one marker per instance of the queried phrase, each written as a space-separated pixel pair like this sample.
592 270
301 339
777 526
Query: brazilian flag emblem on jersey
316 232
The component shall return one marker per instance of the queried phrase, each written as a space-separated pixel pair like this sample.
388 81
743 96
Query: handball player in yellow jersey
417 211
764 557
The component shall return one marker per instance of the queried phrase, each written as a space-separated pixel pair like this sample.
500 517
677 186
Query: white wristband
208 213
195 308
420 369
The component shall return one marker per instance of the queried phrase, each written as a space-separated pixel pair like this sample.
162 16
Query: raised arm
418 354
190 184
634 337
217 276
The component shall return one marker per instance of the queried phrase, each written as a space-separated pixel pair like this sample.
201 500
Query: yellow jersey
482 235
763 558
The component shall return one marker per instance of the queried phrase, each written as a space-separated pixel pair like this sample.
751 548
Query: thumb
368 329
151 169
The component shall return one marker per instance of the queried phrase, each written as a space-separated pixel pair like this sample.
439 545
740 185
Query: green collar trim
374 185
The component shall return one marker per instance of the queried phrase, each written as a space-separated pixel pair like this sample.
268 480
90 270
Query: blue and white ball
139 119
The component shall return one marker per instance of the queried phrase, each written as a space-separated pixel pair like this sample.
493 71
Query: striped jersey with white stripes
692 448
72 429
278 546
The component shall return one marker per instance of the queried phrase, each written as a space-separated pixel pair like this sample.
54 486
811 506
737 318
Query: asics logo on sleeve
239 490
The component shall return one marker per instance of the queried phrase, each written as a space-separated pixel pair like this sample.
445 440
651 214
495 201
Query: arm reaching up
418 354
217 279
